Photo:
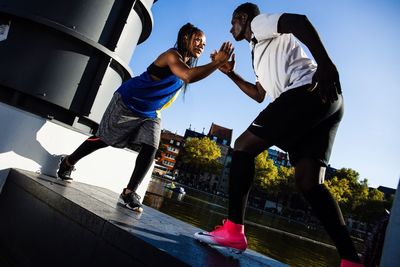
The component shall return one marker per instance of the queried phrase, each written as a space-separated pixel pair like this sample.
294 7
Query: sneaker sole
68 179
210 242
140 209
232 250
64 180
122 203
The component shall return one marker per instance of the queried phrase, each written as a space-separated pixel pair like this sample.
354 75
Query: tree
266 173
376 195
276 182
339 188
358 190
355 197
288 191
200 155
373 208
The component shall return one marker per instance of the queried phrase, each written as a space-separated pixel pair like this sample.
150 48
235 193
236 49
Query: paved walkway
77 224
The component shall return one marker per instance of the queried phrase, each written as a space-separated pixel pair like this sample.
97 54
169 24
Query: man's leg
309 176
240 181
241 176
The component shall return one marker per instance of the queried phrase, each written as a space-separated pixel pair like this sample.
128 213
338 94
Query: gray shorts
120 127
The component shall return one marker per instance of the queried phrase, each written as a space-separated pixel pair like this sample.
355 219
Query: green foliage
276 183
286 175
354 196
375 195
201 154
266 173
348 174
339 188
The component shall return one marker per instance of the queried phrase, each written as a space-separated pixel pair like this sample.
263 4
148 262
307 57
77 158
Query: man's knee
250 143
239 144
308 174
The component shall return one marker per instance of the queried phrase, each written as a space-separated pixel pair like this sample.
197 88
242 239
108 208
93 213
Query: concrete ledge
36 144
46 222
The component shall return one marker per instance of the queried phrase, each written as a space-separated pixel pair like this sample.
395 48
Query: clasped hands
223 55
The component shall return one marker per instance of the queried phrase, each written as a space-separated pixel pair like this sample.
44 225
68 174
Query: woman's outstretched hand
224 53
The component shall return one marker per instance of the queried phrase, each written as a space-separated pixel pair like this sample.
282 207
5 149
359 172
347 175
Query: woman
133 115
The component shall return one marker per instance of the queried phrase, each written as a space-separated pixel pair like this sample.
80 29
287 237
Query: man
302 119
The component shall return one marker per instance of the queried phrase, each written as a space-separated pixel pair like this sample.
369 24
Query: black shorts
301 124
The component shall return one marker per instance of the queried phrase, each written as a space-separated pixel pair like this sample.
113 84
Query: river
267 233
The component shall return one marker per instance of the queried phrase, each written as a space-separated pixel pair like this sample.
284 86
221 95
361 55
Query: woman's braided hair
182 43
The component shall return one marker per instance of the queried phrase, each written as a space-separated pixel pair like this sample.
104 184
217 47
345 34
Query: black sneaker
65 170
130 201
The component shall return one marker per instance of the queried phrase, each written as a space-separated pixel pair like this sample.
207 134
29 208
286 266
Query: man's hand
326 78
224 53
229 66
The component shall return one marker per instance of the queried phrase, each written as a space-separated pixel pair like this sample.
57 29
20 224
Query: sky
361 37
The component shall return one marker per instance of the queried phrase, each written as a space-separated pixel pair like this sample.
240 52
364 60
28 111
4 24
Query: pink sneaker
229 235
346 263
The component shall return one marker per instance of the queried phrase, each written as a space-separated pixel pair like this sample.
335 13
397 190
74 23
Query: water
267 233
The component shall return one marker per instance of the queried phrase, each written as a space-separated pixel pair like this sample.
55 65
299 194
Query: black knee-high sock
328 212
90 145
241 177
142 165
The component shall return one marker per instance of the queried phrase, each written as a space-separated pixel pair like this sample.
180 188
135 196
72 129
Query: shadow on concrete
48 219
19 145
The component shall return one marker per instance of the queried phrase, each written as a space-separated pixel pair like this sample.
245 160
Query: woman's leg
90 145
144 160
143 163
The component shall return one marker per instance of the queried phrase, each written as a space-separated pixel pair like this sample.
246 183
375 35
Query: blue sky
361 37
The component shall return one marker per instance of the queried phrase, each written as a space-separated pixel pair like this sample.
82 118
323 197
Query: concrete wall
65 58
33 143
390 253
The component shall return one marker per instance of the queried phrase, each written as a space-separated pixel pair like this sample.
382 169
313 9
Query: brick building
170 145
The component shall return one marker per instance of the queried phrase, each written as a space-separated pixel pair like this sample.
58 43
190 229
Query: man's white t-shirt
279 61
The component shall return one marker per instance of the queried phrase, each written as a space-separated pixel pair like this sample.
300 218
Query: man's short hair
250 9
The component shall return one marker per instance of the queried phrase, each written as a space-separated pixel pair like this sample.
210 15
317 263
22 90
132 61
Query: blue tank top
146 97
